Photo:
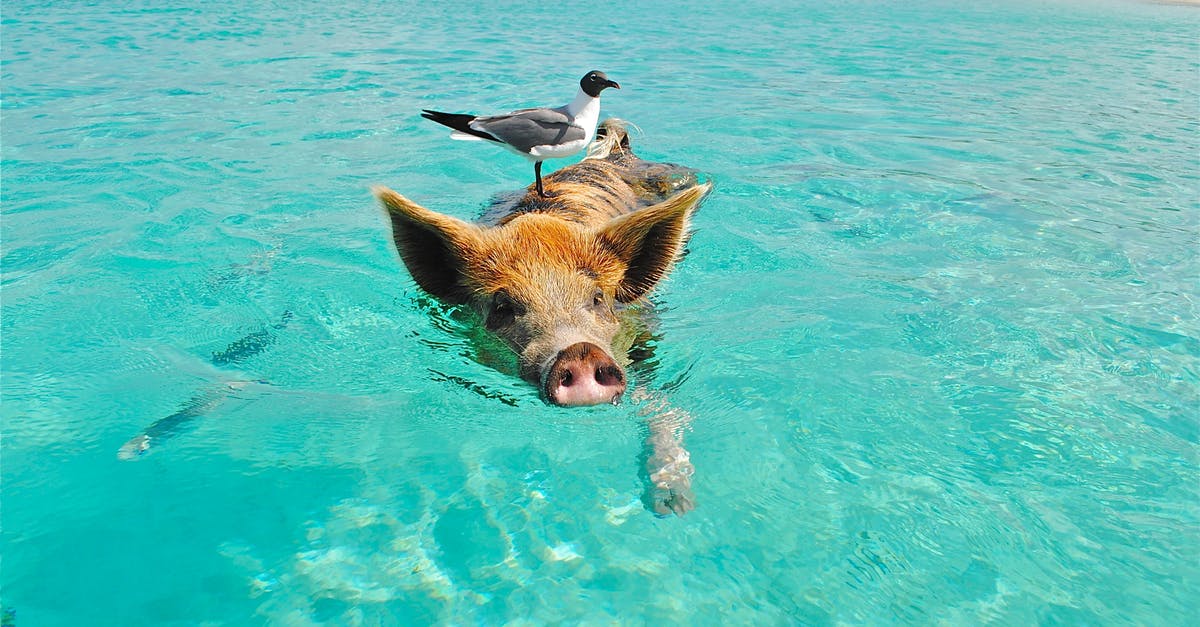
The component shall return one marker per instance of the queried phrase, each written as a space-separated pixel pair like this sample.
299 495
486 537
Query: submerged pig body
554 277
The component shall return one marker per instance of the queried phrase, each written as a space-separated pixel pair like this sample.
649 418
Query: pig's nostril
608 375
583 374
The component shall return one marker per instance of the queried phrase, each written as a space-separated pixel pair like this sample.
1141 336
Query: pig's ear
649 240
432 245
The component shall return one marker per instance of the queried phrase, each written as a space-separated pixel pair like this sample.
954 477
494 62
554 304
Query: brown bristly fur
597 223
549 276
611 181
615 227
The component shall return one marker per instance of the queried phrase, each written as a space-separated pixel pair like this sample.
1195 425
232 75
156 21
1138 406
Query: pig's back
594 191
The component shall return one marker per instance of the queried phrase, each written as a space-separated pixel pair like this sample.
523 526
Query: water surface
937 327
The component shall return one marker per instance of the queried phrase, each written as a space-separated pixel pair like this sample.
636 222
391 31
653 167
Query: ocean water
937 329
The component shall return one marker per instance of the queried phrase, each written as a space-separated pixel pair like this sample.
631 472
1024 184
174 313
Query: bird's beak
613 84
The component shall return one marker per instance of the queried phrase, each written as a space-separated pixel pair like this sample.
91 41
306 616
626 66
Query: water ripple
936 332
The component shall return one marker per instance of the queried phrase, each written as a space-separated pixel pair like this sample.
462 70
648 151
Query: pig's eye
503 311
598 298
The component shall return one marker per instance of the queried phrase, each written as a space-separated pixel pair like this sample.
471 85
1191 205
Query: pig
563 280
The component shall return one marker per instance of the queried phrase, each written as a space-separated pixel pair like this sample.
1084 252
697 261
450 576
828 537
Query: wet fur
575 265
615 221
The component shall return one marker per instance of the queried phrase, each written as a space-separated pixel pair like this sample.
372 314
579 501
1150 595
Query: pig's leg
164 429
244 348
668 465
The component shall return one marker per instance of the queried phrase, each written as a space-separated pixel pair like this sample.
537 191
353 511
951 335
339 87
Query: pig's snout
584 374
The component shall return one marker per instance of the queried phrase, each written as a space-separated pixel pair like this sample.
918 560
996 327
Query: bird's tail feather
460 122
464 136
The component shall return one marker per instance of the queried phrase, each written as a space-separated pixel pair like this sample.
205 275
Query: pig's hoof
670 489
672 499
134 448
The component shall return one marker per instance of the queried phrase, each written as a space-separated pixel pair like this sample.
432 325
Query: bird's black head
595 82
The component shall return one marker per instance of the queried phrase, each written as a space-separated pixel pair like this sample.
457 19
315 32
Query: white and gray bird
536 134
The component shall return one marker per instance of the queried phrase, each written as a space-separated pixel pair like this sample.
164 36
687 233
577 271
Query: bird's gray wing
527 128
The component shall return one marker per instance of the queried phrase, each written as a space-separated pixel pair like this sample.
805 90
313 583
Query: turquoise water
937 329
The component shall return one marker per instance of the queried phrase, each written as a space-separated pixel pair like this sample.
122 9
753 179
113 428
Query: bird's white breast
560 151
585 111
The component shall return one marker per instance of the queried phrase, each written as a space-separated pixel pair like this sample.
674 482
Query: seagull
536 134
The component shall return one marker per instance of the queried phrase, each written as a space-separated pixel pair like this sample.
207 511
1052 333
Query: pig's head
550 288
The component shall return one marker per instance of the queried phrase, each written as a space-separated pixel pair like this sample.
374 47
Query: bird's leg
537 172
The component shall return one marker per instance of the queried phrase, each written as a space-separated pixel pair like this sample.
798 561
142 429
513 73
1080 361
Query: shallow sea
937 328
